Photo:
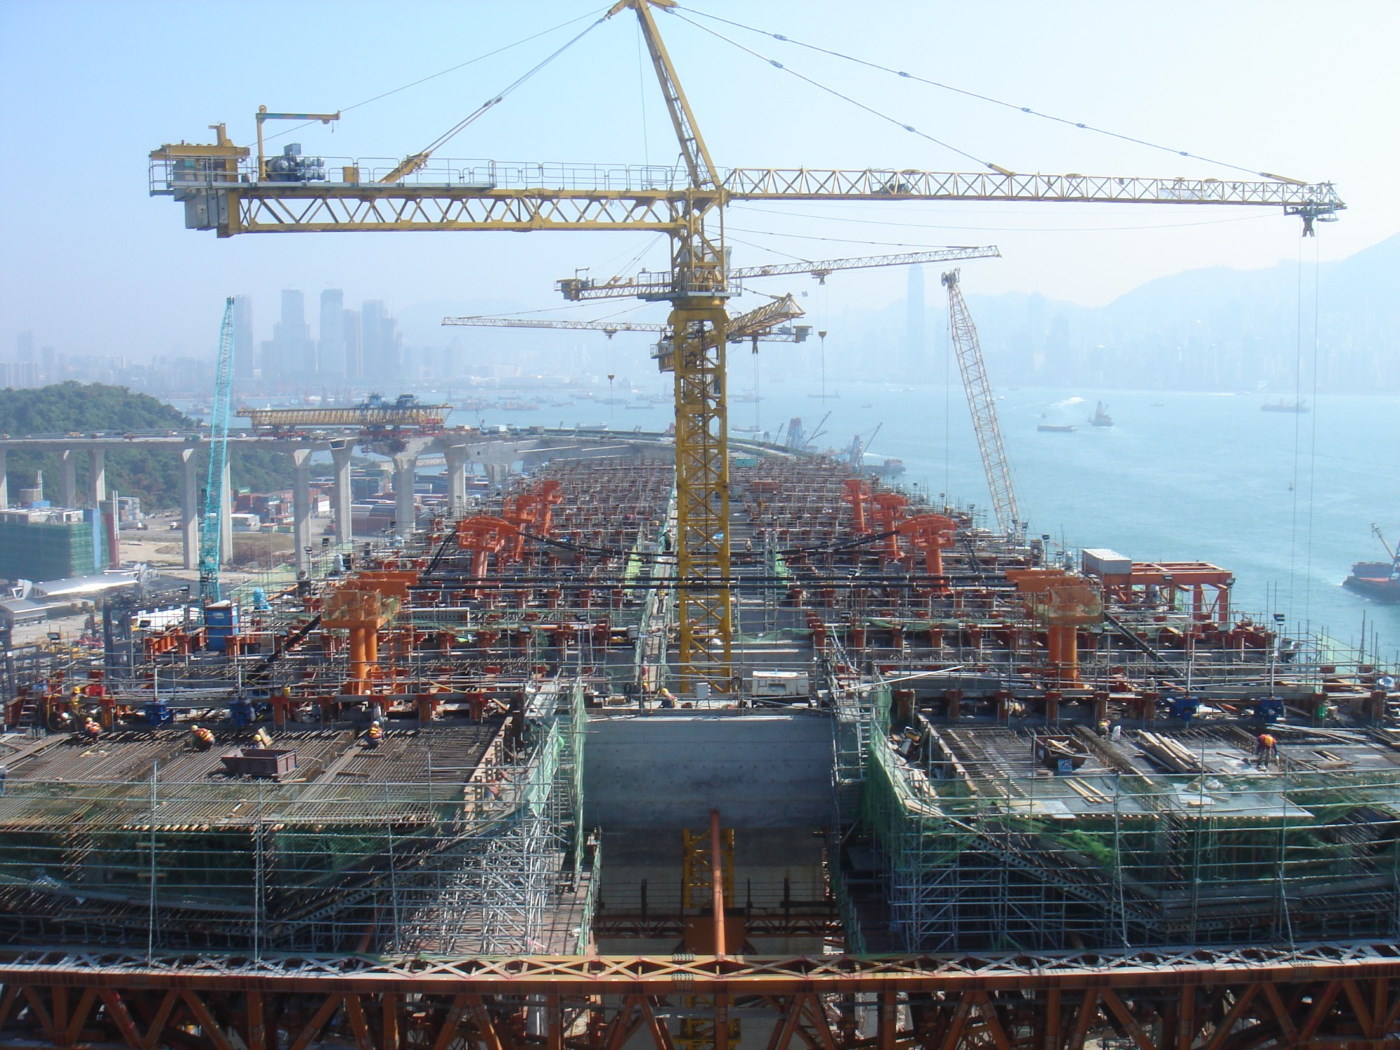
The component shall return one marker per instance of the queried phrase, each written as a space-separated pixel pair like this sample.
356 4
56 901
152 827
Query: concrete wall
669 769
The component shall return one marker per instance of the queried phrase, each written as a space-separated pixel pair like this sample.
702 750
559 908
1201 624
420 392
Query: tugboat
1379 580
1101 418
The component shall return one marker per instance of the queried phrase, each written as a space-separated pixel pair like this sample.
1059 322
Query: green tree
151 474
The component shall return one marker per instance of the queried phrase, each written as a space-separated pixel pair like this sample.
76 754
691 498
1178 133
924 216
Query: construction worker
1266 750
262 738
374 734
203 737
92 729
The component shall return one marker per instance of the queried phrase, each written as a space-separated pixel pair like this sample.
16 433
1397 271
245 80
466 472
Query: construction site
910 758
671 747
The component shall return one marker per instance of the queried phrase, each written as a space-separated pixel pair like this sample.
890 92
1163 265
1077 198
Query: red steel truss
1327 995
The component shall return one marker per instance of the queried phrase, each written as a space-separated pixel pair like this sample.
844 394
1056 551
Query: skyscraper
330 358
291 339
379 342
915 348
243 359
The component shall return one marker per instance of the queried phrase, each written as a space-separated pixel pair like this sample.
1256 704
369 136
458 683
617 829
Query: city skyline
1253 92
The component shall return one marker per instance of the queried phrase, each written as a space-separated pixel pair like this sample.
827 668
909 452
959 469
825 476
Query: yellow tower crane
222 191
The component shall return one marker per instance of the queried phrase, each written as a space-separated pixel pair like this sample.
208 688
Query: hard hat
194 729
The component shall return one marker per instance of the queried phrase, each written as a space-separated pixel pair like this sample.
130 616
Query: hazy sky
91 263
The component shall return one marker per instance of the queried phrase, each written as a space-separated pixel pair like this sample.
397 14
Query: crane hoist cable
904 75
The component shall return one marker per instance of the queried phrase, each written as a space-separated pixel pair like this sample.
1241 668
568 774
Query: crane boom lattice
982 407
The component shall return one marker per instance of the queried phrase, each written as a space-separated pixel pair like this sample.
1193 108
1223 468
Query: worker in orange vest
374 734
203 737
92 729
1267 750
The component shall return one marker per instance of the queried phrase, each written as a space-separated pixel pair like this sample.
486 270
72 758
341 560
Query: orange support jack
1063 602
932 534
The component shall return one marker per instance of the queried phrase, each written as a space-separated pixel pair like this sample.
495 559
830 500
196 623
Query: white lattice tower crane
983 408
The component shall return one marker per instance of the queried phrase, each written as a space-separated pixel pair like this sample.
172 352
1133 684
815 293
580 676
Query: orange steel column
717 882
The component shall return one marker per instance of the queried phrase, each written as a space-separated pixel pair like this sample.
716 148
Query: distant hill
1214 328
64 408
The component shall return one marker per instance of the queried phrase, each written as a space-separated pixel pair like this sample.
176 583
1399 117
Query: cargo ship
1378 580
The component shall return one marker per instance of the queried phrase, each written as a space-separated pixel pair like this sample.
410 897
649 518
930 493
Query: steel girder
1325 995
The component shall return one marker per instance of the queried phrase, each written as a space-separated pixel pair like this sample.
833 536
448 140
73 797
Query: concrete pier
405 465
341 454
68 478
189 508
456 456
97 457
4 480
301 507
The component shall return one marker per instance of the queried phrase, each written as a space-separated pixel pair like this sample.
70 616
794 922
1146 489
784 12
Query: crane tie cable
844 97
1081 125
452 132
440 73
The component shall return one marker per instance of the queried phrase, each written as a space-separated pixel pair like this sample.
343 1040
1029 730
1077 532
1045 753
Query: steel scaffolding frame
478 863
978 859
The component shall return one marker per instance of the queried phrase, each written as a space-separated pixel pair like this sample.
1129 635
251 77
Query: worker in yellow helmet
203 737
1266 750
262 738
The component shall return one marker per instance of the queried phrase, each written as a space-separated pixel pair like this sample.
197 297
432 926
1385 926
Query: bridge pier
68 478
301 507
97 458
189 509
341 453
456 456
405 466
4 479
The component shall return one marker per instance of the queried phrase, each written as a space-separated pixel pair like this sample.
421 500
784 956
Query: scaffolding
474 852
979 853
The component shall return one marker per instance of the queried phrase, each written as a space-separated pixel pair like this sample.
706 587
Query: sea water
1283 501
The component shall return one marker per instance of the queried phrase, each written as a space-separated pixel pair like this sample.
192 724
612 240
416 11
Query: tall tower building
244 364
291 336
379 342
354 352
331 347
915 339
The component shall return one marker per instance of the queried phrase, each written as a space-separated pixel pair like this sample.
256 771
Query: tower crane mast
211 526
982 407
222 191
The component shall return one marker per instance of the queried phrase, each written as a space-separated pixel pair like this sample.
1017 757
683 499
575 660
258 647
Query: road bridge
493 453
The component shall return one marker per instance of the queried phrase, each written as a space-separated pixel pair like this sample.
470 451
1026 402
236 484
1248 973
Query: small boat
1285 406
1063 754
1101 418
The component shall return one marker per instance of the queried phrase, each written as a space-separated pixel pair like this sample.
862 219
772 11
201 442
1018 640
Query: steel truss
1333 995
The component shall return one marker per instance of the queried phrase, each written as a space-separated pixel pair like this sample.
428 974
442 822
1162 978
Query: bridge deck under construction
934 741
